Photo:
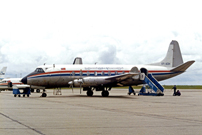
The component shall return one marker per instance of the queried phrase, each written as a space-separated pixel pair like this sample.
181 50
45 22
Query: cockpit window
39 70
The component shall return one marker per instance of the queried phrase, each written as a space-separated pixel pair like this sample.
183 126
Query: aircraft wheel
44 94
15 95
38 90
32 90
89 93
105 93
19 96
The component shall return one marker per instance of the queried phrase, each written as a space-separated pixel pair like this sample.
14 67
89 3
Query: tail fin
173 57
2 73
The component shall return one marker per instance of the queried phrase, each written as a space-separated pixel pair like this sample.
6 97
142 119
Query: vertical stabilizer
173 57
2 73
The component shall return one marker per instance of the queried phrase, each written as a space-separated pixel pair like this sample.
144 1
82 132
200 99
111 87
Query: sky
127 32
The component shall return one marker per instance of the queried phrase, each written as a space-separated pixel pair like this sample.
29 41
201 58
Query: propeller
80 88
71 85
72 89
81 82
77 83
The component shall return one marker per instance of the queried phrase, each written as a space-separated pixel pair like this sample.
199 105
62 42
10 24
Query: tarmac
77 114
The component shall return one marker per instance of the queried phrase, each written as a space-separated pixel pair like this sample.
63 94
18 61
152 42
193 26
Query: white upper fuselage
60 75
99 68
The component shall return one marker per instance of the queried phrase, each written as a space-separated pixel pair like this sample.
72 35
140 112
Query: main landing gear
104 93
44 93
89 93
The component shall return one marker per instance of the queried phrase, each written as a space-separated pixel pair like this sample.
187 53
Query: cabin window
102 73
73 73
95 73
81 73
88 73
109 73
116 73
123 72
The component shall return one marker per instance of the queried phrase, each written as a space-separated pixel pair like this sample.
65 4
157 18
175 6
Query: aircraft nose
24 80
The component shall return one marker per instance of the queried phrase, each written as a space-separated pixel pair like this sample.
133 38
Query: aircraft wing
22 86
133 73
125 76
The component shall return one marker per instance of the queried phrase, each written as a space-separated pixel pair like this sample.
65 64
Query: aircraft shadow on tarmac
84 96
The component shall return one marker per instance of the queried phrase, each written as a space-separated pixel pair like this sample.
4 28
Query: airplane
8 83
104 77
2 73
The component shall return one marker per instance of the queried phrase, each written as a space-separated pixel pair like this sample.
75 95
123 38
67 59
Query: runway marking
22 124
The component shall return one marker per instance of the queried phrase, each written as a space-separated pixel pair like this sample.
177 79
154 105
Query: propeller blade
80 88
72 89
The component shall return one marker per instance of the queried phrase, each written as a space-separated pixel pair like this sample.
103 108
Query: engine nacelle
78 82
95 81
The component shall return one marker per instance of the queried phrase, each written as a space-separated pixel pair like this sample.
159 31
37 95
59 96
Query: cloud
108 55
107 32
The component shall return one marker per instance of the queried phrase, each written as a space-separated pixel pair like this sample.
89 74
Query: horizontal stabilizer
183 67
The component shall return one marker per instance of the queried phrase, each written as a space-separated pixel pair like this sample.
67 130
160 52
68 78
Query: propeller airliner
104 77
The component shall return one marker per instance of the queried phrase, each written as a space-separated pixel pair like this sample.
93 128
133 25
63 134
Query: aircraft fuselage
91 75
